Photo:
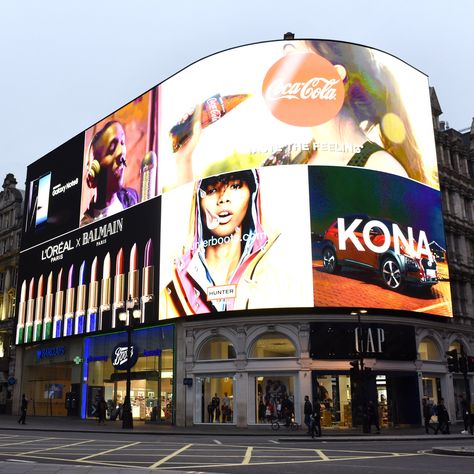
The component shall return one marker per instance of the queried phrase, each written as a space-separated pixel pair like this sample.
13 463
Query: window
428 350
218 348
273 345
2 281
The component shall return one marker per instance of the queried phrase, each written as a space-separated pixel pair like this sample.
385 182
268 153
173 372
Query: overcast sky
65 64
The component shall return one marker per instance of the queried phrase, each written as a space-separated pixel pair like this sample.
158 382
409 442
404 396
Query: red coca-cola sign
303 89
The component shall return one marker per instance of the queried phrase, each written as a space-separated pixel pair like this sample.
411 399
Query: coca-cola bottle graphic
209 112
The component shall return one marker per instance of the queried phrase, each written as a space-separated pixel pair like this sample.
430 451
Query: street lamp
128 318
362 371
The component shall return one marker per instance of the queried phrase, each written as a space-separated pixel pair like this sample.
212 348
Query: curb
461 451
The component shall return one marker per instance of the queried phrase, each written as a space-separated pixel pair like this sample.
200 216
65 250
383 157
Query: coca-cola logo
303 89
120 356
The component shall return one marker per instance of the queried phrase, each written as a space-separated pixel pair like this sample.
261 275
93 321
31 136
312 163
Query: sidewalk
65 424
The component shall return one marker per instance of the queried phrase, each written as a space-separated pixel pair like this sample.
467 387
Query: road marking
273 441
217 441
170 456
102 453
321 455
248 455
25 442
56 447
20 460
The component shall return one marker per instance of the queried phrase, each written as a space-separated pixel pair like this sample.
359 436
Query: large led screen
287 174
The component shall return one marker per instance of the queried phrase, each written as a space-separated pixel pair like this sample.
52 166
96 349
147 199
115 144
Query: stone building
11 204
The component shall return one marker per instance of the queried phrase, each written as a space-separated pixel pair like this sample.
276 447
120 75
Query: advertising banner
286 174
93 279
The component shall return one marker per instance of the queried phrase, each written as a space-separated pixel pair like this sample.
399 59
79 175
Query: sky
64 65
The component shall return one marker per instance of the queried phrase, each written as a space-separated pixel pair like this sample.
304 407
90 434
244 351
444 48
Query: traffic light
354 368
453 362
463 364
470 363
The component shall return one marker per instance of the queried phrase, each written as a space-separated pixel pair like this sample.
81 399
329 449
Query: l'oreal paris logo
120 356
388 237
303 89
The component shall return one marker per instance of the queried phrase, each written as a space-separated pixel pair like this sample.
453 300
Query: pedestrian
465 414
316 420
210 412
101 410
226 410
373 416
308 410
427 414
216 402
23 410
443 418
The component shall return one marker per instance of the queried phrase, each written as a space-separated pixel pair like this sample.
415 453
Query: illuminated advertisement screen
288 174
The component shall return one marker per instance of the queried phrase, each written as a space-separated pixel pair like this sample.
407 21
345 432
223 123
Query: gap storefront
152 385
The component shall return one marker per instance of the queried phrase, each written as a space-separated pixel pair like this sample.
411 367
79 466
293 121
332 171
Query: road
224 454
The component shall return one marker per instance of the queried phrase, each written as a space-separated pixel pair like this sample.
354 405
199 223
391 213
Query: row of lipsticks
37 321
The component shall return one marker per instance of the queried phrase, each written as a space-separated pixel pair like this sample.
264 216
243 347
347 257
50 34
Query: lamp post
360 358
128 318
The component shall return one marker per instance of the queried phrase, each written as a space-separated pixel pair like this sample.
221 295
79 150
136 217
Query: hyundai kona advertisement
377 242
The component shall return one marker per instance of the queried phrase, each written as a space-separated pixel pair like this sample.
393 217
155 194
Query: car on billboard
371 245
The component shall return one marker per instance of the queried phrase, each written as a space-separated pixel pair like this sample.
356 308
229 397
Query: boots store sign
377 341
120 359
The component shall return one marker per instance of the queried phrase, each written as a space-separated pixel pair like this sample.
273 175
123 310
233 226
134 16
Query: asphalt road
33 452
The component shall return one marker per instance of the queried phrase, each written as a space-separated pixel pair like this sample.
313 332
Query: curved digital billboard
286 174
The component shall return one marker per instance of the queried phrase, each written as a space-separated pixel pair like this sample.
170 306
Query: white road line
20 460
24 442
248 455
216 441
273 441
170 456
102 453
56 447
321 455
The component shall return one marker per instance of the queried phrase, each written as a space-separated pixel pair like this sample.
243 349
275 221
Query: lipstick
104 308
38 324
20 328
81 301
58 307
48 308
91 324
148 176
133 279
118 305
147 283
30 307
69 313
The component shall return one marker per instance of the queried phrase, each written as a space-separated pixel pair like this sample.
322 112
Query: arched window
456 345
217 348
273 345
428 350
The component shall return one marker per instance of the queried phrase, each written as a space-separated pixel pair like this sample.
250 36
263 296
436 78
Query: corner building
259 258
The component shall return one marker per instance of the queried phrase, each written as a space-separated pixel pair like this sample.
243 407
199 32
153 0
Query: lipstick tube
30 308
38 323
81 301
91 324
48 309
20 328
148 176
133 280
118 304
69 313
104 308
147 284
58 307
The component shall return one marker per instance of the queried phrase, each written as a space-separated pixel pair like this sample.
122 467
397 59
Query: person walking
373 416
308 410
427 414
443 418
23 410
101 410
316 420
465 413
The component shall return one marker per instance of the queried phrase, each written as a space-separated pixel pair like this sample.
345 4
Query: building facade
241 365
11 215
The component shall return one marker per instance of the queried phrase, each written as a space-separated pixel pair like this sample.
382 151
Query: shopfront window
217 348
274 397
334 395
217 399
428 350
432 389
273 345
151 391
